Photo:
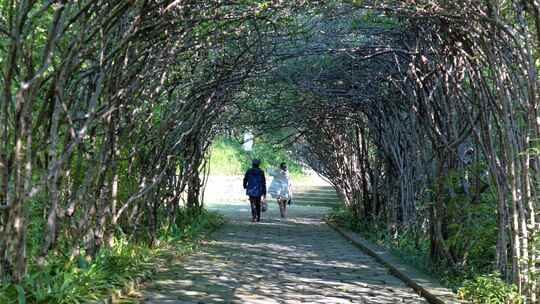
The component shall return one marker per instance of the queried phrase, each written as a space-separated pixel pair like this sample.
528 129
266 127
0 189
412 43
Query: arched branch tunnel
420 115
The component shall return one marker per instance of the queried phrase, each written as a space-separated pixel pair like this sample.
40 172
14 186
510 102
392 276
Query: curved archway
420 113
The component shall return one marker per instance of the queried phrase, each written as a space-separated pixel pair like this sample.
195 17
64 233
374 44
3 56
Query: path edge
426 292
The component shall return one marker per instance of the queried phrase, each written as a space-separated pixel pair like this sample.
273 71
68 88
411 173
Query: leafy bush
228 158
489 289
472 226
75 280
67 280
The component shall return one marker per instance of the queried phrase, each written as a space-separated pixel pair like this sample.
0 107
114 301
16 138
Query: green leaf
20 294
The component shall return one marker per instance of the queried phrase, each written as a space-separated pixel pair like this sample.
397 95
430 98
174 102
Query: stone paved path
297 260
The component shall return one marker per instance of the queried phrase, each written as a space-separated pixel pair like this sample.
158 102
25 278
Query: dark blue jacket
255 182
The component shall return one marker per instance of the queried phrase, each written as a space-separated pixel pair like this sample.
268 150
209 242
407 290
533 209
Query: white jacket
281 184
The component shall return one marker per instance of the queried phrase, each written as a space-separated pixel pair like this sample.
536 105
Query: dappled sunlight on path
297 260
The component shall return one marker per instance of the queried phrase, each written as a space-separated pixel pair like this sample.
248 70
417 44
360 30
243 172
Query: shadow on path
298 260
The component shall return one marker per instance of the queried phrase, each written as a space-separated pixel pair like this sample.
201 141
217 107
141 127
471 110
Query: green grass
75 280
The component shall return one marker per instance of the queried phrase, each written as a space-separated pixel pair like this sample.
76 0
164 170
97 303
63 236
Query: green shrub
489 289
67 280
227 157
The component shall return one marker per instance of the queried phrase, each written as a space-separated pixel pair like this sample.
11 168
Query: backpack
254 183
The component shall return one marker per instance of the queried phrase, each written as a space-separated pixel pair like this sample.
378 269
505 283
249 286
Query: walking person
281 188
255 185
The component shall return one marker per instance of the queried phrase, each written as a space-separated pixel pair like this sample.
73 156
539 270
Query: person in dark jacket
255 185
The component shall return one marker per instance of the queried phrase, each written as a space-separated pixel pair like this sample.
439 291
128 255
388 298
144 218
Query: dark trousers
255 202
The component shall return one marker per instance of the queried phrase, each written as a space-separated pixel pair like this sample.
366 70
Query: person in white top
281 187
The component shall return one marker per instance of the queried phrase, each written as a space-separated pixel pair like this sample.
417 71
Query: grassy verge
477 285
66 280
